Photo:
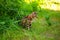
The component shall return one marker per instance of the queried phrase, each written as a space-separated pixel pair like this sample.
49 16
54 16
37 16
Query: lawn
45 27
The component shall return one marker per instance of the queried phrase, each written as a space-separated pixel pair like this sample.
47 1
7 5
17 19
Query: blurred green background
45 27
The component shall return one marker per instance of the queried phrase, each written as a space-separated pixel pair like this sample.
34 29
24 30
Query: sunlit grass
47 4
29 1
52 5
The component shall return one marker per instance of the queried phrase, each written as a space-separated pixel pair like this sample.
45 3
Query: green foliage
12 11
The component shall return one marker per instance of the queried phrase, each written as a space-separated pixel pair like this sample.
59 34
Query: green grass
40 29
45 27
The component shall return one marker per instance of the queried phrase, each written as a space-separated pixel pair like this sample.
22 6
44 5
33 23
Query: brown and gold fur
27 21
